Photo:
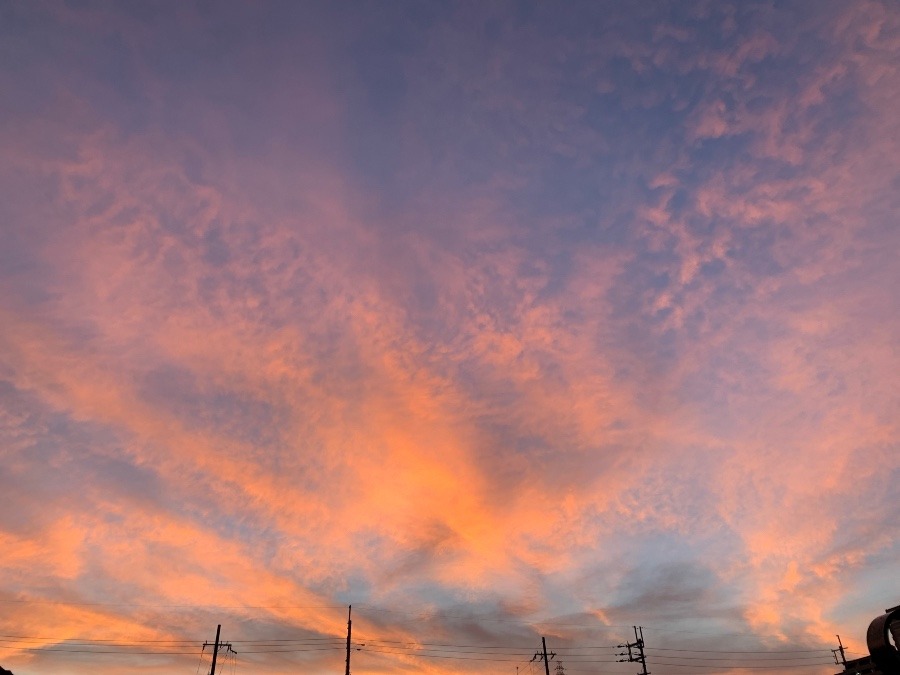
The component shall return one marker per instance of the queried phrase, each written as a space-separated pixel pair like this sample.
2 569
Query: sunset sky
496 320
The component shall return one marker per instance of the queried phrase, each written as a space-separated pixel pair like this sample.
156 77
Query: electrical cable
663 657
200 662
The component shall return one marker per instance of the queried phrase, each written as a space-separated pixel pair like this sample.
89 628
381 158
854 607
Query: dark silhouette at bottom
881 639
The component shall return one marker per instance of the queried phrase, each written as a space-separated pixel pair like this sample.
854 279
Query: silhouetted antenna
635 653
539 656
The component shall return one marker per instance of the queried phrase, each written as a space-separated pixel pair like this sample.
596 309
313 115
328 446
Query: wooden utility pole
217 645
546 660
212 671
349 627
543 655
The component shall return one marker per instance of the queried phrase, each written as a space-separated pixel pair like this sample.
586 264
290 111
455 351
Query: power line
144 605
752 667
738 651
669 660
200 662
290 651
368 639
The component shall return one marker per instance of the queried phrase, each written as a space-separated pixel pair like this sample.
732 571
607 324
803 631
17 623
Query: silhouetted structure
216 647
4 671
543 656
635 653
881 639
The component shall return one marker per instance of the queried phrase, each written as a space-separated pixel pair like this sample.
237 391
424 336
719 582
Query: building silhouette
881 639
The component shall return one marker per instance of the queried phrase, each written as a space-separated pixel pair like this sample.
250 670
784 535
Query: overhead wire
200 662
676 660
742 667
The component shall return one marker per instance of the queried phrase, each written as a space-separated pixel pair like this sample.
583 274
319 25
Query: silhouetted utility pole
349 627
636 656
212 671
840 649
217 645
538 656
